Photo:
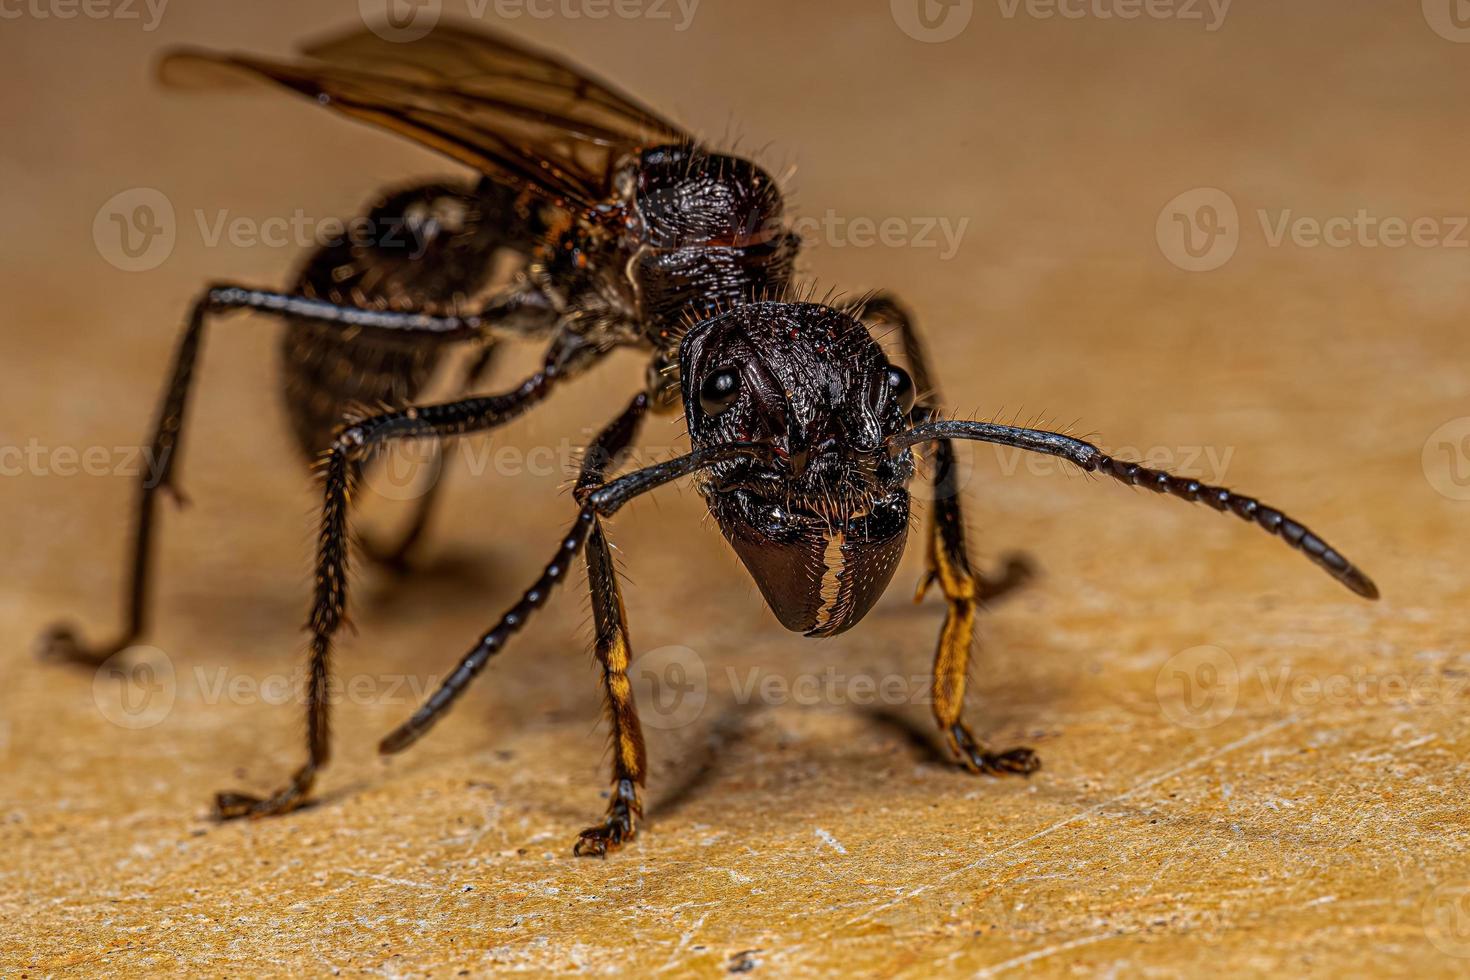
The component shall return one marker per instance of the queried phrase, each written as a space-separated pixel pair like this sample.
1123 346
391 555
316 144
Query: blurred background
1230 238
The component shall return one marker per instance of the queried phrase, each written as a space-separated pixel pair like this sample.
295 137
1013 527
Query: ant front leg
610 621
352 444
597 502
62 641
948 564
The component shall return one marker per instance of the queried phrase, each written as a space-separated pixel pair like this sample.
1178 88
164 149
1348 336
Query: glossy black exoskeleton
630 233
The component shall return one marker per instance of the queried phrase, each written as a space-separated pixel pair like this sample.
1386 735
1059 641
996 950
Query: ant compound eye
719 391
901 389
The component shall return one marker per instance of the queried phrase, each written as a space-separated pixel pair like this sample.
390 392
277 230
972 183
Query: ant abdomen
425 247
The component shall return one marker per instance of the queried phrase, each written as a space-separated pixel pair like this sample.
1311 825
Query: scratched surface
1247 770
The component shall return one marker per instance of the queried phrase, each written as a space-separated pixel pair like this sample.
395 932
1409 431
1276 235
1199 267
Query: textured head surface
822 527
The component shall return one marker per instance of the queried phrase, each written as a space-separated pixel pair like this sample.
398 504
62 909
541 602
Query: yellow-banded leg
949 565
630 763
610 623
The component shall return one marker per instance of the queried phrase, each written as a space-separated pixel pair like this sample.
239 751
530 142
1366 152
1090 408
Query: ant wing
520 116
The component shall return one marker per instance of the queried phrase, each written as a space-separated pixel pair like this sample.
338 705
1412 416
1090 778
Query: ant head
821 525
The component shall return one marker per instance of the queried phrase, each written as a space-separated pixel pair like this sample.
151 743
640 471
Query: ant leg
597 502
630 760
610 622
61 641
618 434
1018 568
612 646
352 444
949 565
394 556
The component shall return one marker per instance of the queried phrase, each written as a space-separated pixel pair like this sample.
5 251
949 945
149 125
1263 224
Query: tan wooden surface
1247 769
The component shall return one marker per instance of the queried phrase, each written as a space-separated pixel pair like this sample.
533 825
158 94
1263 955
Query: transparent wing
518 115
